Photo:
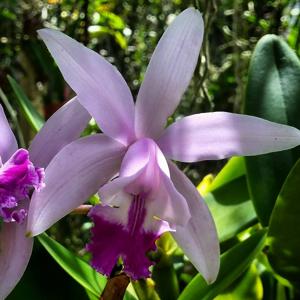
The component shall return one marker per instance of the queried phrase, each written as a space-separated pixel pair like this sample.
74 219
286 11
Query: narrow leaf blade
233 263
33 117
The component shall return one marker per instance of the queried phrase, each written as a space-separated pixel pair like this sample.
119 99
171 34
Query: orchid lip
18 176
117 235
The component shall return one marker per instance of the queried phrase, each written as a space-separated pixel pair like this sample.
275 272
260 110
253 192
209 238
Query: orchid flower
142 192
19 175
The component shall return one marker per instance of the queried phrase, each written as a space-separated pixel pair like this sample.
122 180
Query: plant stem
115 287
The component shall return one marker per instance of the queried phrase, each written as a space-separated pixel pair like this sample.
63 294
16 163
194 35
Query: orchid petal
63 127
15 252
168 204
8 142
169 73
143 172
198 239
100 87
72 176
218 135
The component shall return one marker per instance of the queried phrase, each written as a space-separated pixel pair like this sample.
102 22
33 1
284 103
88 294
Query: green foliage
74 266
273 93
79 269
29 112
125 33
233 263
284 230
228 200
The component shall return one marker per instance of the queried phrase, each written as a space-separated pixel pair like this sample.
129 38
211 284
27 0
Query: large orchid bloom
19 175
143 193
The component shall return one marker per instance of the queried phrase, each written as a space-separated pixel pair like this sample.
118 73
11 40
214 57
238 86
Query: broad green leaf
231 208
74 266
33 117
284 230
273 93
233 263
228 199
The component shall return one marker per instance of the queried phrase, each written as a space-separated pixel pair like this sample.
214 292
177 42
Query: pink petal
141 174
168 203
15 251
100 87
169 73
63 127
73 175
8 142
219 135
198 239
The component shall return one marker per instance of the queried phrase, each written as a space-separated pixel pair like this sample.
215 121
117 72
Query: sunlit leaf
284 230
247 287
233 263
229 200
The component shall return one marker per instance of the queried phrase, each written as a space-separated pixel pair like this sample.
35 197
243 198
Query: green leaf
229 200
273 93
233 263
74 266
80 270
234 169
164 275
145 289
284 230
248 286
33 117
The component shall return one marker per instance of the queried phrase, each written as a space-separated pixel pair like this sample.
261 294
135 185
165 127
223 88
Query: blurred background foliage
126 32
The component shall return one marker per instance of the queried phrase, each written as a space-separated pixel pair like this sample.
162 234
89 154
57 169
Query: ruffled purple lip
113 240
18 176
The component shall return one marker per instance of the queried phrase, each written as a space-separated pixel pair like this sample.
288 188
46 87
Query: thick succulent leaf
284 230
273 93
233 263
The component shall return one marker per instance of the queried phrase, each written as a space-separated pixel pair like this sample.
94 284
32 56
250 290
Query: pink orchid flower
18 176
150 195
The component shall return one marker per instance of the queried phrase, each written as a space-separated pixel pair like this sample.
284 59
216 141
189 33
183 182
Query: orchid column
149 194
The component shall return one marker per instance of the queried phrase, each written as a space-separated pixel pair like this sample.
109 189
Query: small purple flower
143 193
19 176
